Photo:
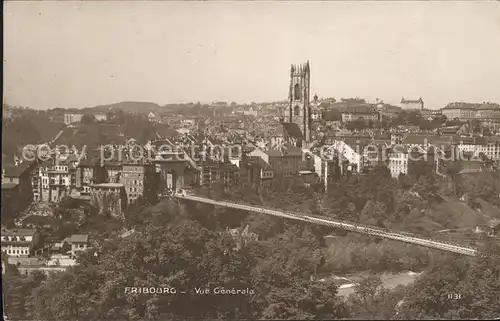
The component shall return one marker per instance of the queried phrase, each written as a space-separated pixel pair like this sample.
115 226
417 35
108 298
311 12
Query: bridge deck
346 225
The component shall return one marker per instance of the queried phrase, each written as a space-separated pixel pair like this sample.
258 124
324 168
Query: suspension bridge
340 224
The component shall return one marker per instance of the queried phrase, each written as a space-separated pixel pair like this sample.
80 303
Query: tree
303 300
66 247
17 294
457 287
170 248
482 285
453 169
358 124
372 301
37 242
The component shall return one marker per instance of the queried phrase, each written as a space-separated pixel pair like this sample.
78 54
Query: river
389 280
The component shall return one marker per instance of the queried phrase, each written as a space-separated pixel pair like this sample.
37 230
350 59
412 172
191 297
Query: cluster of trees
457 288
414 203
186 247
30 127
135 125
92 133
175 249
374 198
414 118
485 185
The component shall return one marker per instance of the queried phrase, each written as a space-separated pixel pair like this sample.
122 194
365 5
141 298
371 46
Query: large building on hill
408 104
298 112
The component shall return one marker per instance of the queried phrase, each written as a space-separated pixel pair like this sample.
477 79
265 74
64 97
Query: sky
83 54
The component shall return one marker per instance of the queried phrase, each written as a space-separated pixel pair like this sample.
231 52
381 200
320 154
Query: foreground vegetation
186 246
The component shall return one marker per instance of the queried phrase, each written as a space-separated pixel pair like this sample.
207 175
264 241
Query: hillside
125 106
31 128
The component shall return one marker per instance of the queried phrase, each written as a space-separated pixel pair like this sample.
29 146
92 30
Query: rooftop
409 101
108 185
476 106
79 238
292 130
17 171
18 232
259 162
285 150
8 186
360 109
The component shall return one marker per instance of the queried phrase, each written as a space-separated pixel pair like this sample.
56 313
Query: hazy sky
74 54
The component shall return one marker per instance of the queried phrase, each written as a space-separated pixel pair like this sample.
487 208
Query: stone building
138 180
109 199
17 242
408 104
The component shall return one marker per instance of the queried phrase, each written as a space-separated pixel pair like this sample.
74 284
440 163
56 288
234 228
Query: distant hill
125 106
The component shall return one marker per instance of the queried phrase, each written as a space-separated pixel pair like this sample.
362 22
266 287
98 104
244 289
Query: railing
346 225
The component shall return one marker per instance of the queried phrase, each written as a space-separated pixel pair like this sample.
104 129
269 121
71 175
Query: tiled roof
431 139
6 186
25 261
409 101
167 132
79 238
381 141
18 232
475 106
360 109
285 150
494 223
331 115
87 161
489 106
356 141
293 130
108 185
17 171
400 149
259 162
451 129
472 166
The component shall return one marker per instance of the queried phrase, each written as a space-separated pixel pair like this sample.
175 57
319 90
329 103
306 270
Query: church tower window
296 111
296 92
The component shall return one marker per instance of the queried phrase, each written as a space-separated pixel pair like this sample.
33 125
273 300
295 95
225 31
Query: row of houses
19 243
21 248
484 112
87 177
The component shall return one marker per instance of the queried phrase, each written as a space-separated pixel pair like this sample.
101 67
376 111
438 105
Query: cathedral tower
298 110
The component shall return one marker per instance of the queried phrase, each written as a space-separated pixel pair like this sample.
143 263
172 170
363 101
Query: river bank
347 283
